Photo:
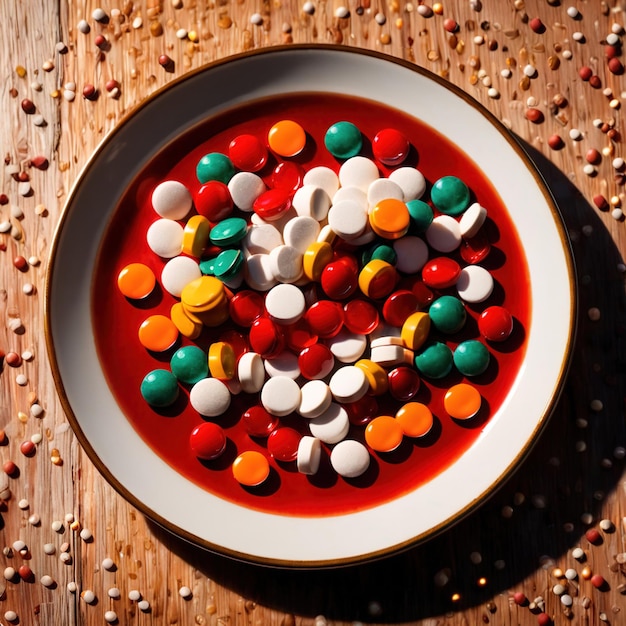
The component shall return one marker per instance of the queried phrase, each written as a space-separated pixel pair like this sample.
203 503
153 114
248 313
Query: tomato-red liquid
287 492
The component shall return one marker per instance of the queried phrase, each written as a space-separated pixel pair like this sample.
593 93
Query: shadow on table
536 517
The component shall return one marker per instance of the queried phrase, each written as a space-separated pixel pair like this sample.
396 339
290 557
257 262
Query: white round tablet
475 284
245 188
285 304
309 455
311 201
165 238
179 272
285 364
411 181
262 239
315 398
300 232
411 253
332 425
347 219
172 200
286 264
350 458
351 193
210 397
258 272
324 177
358 171
444 234
472 220
347 347
348 384
280 395
382 189
251 372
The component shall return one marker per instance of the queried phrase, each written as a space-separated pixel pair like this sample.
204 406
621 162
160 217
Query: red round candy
398 306
404 383
495 323
236 341
360 317
266 338
476 249
207 441
213 200
282 444
362 411
247 153
298 336
349 260
339 280
271 204
441 272
390 146
27 448
316 361
325 318
246 306
287 176
258 422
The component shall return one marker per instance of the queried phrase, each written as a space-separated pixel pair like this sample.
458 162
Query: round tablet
136 281
207 441
210 397
311 201
285 304
343 140
189 364
251 468
245 188
280 395
251 372
381 189
315 398
285 364
472 220
358 172
350 458
159 388
475 284
179 272
299 232
347 219
450 195
411 254
309 455
348 384
286 264
165 238
346 346
444 233
411 181
262 239
324 177
332 425
172 200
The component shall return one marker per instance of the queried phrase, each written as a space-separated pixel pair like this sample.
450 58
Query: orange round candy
158 333
286 138
384 433
415 418
390 218
136 281
250 468
462 401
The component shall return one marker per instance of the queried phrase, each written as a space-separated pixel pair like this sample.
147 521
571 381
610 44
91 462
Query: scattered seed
534 115
83 27
185 592
308 8
108 563
86 535
28 106
143 605
134 595
342 12
424 10
110 617
556 142
10 616
597 580
72 587
450 25
49 548
88 596
47 581
537 25
575 134
578 36
34 520
27 448
114 593
606 525
57 526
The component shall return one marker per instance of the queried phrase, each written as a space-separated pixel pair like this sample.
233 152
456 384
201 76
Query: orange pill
187 326
376 376
136 281
415 418
222 360
251 468
384 433
286 138
158 333
462 401
390 218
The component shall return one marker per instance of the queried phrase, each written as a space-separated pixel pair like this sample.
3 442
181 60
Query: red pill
362 411
282 444
601 202
13 359
4 199
360 317
495 323
450 25
213 200
611 51
207 441
556 142
475 249
20 262
398 306
339 280
298 336
593 156
272 204
534 115
287 176
27 448
390 146
9 468
593 535
166 61
441 272
245 307
258 422
25 573
404 383
537 25
543 619
266 338
422 292
325 318
595 81
616 66
236 341
316 361
598 581
247 153
520 598
585 72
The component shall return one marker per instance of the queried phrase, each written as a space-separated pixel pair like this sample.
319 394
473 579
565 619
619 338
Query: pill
462 401
444 234
203 294
286 138
411 181
381 189
215 166
287 176
315 258
420 215
447 314
311 201
389 218
171 199
332 425
186 326
315 399
347 346
159 388
136 281
383 434
358 172
435 360
347 219
258 272
285 303
348 384
247 152
390 355
221 360
471 357
343 140
411 254
157 333
339 280
472 220
450 195
262 239
475 284
272 205
258 422
404 383
286 263
251 468
251 372
210 397
285 364
308 455
316 361
441 272
189 364
300 232
282 444
350 458
495 323
228 232
377 279
207 441
324 177
213 200
165 238
266 337
245 188
415 418
195 235
280 395
177 273
390 146
376 376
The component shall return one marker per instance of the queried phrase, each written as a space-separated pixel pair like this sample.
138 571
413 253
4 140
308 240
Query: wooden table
523 539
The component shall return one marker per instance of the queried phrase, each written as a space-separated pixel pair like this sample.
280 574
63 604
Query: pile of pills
327 294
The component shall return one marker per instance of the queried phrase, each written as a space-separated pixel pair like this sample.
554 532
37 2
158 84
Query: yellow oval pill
376 376
390 218
221 360
286 138
216 316
415 330
187 326
415 418
250 468
196 235
136 281
462 401
203 294
316 257
377 279
383 433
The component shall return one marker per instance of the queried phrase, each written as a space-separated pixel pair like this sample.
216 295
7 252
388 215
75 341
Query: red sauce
125 362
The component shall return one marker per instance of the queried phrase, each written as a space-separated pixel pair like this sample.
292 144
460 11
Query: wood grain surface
523 540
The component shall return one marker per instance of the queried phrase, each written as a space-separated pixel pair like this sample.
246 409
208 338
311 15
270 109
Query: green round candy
343 140
207 266
228 264
190 364
450 195
420 215
447 314
215 166
228 232
435 361
159 388
471 357
380 251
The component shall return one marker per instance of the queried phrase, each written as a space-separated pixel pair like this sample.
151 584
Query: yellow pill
136 281
187 326
415 418
203 294
462 401
286 138
383 433
251 468
316 257
158 333
415 330
376 376
222 360
377 279
216 316
390 218
196 235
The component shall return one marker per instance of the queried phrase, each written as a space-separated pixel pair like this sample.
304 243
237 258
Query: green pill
215 166
447 314
380 251
190 364
471 357
228 264
420 215
159 388
435 361
228 232
450 195
343 140
207 266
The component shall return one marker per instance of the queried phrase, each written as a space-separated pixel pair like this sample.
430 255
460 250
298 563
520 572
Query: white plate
181 506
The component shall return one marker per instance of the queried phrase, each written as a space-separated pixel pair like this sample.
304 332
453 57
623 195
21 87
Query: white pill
350 458
382 189
172 200
285 364
472 220
326 234
315 398
475 284
278 223
286 264
245 188
347 347
348 384
390 355
301 232
258 272
347 219
280 395
411 181
311 201
210 397
444 234
332 425
262 239
309 455
367 236
179 272
251 372
285 304
165 238
351 193
386 340
324 177
411 253
358 172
